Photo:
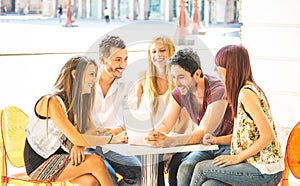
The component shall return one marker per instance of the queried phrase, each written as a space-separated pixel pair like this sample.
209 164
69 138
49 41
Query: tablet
138 125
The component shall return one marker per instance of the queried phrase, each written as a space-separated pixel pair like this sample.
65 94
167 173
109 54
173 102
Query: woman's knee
85 180
91 180
93 160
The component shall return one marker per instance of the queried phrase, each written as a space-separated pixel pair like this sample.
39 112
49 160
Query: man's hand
156 138
208 139
77 155
121 137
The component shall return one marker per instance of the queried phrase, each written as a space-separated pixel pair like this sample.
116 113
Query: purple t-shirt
214 91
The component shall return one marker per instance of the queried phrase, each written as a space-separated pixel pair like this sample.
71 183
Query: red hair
235 59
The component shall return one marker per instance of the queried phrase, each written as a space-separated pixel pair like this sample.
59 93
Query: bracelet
111 137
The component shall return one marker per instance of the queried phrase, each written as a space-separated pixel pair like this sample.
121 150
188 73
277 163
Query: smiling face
116 63
158 54
89 78
183 80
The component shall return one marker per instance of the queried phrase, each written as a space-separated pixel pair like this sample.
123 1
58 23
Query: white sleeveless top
146 105
42 143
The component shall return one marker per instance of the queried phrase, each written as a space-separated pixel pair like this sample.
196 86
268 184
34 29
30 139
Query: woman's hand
121 137
225 160
77 155
114 131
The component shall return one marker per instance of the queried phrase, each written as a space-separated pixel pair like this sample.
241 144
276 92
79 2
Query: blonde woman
154 91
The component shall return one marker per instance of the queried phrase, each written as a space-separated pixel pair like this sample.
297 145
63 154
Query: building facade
210 11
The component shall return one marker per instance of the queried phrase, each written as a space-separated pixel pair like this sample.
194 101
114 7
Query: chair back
14 122
292 155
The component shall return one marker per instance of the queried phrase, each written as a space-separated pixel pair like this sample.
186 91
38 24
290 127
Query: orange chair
13 123
292 156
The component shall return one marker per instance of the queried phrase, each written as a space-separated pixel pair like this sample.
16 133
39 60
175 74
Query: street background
34 48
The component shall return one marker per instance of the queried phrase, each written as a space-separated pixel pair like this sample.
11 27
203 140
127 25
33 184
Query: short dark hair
187 59
108 42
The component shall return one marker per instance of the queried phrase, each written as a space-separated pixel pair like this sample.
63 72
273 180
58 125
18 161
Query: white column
132 9
221 11
168 10
80 6
143 11
115 9
206 13
100 9
88 8
271 32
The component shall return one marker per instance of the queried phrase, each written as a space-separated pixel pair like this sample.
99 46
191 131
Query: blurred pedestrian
4 10
59 13
107 14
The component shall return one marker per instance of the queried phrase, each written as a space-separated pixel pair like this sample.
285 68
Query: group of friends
187 107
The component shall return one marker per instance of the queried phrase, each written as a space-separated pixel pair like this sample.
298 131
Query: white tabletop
131 150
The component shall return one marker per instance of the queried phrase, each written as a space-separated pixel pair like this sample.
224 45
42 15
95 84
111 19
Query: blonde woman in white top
154 91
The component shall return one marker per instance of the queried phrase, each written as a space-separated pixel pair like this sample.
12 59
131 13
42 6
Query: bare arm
252 105
140 91
213 116
57 114
210 121
170 116
222 140
183 122
139 88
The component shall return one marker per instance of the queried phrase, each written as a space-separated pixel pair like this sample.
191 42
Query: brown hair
70 90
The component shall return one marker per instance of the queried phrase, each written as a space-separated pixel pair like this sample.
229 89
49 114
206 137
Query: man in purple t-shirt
204 98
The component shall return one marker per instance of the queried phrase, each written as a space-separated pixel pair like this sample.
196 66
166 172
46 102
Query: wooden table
149 157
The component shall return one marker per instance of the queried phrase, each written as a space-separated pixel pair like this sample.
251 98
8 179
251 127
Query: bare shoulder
248 97
41 107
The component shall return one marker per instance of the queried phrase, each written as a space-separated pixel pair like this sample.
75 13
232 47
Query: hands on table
120 135
159 139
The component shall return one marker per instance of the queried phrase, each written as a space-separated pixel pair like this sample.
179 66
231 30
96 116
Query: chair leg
285 175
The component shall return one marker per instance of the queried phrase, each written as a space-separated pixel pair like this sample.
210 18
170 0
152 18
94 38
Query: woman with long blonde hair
154 91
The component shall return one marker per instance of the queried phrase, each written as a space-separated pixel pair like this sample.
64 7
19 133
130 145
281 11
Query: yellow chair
292 156
13 123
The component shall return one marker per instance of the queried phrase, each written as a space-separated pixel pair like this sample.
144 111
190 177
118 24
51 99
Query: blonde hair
151 80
